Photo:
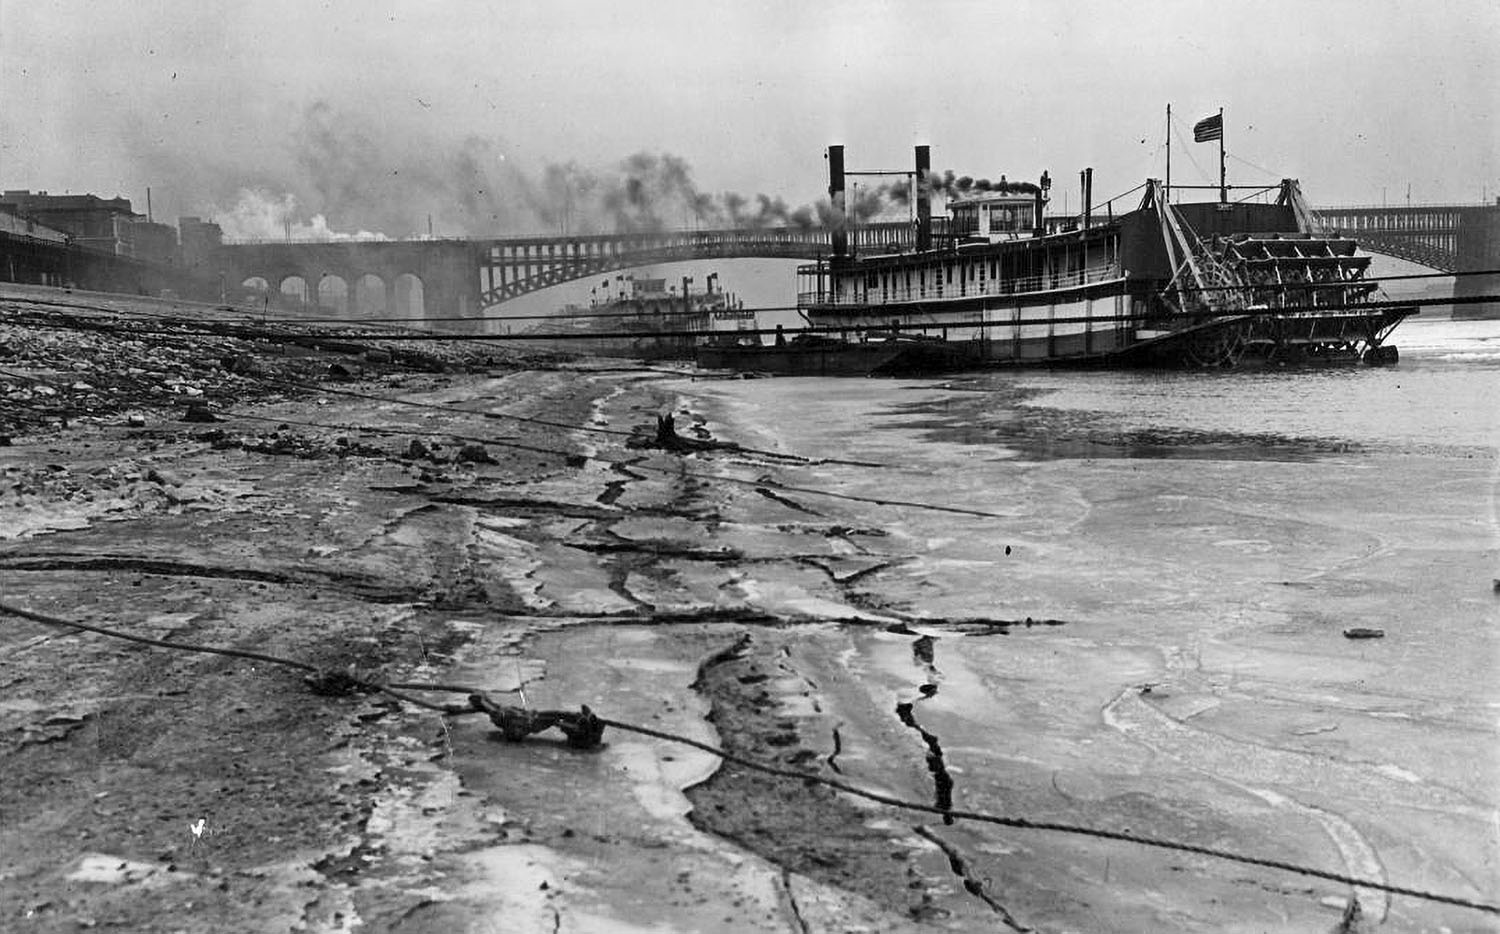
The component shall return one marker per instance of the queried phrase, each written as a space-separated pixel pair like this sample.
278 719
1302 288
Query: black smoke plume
344 175
949 185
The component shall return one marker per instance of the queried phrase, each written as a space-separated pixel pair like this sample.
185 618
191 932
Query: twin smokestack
840 232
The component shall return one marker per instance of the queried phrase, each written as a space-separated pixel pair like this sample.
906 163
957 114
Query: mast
1223 188
1169 154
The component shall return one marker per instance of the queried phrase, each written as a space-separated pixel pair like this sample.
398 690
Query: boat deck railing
899 294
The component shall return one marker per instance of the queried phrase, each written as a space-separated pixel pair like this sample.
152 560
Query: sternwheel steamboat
1001 282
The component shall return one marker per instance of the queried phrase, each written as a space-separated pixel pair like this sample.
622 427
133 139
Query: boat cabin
993 216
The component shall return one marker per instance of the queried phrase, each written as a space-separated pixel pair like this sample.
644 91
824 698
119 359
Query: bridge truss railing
1428 234
516 266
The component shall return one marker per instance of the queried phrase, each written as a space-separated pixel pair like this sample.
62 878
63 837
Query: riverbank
492 528
902 614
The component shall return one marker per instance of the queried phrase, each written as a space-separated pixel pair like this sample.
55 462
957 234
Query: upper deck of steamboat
1004 245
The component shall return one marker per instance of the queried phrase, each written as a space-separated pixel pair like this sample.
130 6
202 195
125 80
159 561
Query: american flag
1209 128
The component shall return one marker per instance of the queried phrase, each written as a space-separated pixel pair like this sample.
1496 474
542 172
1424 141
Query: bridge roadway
462 277
1448 238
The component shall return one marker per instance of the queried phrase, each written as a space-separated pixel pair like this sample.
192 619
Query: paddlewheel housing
1285 298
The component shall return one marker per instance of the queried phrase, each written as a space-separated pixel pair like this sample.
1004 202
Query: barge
1002 282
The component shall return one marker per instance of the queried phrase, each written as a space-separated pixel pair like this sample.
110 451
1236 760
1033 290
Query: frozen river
1205 540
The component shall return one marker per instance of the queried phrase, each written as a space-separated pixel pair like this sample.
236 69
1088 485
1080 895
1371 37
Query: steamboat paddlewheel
1216 347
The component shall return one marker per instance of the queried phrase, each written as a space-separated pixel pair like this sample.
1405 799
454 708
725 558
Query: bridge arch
293 287
333 293
370 296
408 294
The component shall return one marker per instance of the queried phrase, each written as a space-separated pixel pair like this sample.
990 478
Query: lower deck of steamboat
1096 319
1104 323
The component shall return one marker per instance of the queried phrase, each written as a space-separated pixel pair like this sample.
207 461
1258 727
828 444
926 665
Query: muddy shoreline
479 519
346 532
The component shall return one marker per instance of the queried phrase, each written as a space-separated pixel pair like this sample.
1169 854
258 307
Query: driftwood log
583 729
666 438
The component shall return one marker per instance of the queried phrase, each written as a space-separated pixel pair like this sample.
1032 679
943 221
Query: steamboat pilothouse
1001 281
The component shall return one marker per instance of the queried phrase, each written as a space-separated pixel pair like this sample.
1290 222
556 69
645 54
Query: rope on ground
534 721
1028 824
332 681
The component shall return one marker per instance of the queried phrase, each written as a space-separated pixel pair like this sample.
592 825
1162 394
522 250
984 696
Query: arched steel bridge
464 276
514 267
1447 237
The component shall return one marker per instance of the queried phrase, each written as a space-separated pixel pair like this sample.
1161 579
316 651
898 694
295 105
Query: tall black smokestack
1088 196
924 199
840 232
1041 204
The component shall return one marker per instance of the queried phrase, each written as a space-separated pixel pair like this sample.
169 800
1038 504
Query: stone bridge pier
425 279
1478 248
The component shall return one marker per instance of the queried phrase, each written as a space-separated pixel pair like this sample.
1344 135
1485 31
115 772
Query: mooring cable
1021 823
1207 315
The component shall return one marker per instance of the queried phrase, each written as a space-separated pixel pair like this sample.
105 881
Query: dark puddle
992 413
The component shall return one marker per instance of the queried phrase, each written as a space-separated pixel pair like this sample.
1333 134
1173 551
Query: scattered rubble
76 359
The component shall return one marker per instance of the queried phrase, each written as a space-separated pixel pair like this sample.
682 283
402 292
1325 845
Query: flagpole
1223 189
1169 153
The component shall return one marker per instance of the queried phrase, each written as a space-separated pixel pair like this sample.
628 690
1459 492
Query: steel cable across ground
264 331
1020 823
397 689
255 318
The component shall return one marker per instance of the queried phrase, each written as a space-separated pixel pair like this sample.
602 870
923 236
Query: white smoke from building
258 215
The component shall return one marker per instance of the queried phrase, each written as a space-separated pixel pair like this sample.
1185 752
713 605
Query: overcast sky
375 113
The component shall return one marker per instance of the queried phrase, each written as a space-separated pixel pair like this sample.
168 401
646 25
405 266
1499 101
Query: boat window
1009 218
965 219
